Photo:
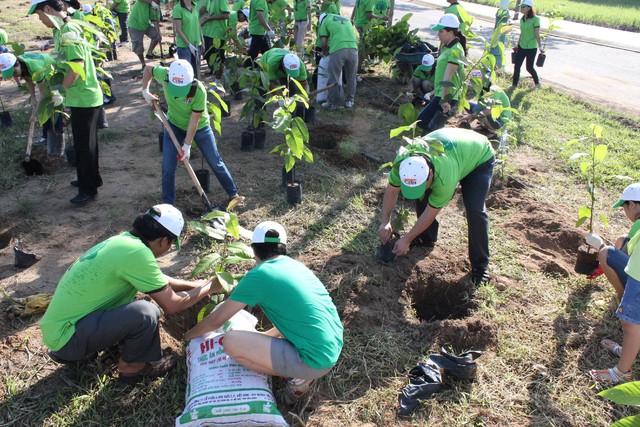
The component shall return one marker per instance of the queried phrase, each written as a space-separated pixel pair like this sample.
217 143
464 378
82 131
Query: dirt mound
463 334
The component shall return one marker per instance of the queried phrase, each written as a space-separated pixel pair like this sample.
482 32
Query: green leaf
399 131
632 421
77 68
600 152
584 212
581 221
623 394
240 249
207 230
207 309
226 281
604 219
205 264
233 259
231 223
597 130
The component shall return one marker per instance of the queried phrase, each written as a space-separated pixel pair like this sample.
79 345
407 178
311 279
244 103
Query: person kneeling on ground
189 120
628 312
614 259
481 110
431 180
306 339
423 76
93 306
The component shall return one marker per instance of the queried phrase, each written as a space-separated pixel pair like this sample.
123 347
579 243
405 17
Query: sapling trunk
592 189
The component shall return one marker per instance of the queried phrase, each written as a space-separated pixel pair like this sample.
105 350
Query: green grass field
620 14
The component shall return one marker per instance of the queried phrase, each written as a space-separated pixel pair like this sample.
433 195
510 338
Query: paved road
587 69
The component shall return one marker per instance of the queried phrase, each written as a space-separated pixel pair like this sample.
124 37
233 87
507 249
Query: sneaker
349 104
150 370
40 141
358 79
295 389
538 86
235 201
328 106
479 276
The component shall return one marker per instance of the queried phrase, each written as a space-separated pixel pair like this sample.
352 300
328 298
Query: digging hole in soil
327 137
437 299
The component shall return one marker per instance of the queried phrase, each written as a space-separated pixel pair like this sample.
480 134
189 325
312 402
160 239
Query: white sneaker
295 389
349 104
328 106
358 79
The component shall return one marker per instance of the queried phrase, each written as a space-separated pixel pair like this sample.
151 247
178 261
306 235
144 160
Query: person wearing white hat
83 95
614 258
628 276
282 64
188 117
528 43
431 179
423 77
453 49
94 306
306 338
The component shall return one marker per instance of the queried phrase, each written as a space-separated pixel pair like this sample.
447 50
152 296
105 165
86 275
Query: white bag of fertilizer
220 391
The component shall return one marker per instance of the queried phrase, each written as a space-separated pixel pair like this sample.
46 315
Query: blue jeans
432 117
207 144
185 53
618 260
629 308
475 188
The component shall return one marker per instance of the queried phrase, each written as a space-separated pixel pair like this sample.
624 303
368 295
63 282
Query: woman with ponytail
528 43
453 48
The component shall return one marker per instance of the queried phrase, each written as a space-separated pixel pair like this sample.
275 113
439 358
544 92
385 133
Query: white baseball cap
427 60
414 173
169 217
321 18
269 232
448 20
87 8
180 78
7 64
245 12
291 64
34 4
631 193
527 3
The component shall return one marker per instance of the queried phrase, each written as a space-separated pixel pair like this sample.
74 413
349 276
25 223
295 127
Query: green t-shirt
142 16
277 10
255 27
360 17
190 24
301 10
453 53
78 15
215 29
36 63
464 150
528 34
107 276
122 6
273 58
463 17
380 8
339 31
84 92
4 37
633 266
499 95
297 303
423 72
180 109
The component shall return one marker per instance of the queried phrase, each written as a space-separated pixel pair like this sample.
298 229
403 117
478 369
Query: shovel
31 166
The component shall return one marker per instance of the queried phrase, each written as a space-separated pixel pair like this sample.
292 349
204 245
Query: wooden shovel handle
315 92
30 140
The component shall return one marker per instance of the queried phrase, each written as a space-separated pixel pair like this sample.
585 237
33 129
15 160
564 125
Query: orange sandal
611 376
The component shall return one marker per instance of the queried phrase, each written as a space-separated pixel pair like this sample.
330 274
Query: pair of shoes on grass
613 375
150 370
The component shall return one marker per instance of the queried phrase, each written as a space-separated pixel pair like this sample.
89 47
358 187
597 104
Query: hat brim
619 203
292 73
413 193
524 4
8 72
437 27
178 91
32 9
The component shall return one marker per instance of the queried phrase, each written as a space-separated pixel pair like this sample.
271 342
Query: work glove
155 5
186 153
149 97
57 99
594 240
427 96
46 45
271 34
193 49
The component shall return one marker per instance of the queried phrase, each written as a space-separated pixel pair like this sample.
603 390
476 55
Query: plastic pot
540 60
70 154
160 140
246 141
259 138
287 176
306 114
586 260
55 143
294 192
5 119
385 252
203 176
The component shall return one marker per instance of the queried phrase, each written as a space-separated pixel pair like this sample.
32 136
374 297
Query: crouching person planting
306 339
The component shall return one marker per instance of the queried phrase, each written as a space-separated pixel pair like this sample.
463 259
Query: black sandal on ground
150 370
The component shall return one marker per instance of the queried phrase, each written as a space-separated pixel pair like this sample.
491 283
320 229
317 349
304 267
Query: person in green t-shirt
280 14
186 24
282 64
144 20
94 306
614 258
448 69
423 77
628 310
83 95
361 16
121 9
260 30
189 119
214 15
306 339
482 110
431 180
528 43
464 18
302 17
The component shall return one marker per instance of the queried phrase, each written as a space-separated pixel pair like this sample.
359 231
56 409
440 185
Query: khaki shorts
137 44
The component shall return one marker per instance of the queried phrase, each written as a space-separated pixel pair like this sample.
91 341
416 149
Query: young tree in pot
257 82
592 160
295 147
